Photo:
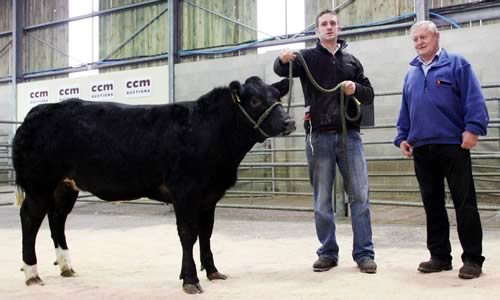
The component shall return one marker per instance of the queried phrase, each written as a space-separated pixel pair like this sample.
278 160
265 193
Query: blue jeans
322 157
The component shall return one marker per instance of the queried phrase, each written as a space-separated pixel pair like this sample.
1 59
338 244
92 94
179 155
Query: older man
442 114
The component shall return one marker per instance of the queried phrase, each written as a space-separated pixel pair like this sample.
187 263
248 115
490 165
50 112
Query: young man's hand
349 87
286 55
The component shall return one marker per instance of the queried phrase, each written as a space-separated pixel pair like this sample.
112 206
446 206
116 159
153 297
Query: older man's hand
469 140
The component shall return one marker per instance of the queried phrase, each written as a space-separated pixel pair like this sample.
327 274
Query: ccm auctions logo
102 90
138 88
38 96
68 92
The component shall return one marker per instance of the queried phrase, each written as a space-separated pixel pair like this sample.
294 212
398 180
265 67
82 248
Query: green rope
343 111
322 89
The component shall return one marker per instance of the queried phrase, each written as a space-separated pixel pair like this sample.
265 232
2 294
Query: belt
327 129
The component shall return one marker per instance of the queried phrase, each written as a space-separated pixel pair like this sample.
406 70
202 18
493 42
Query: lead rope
343 113
290 87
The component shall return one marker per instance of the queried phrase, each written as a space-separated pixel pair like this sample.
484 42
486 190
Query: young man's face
328 27
426 42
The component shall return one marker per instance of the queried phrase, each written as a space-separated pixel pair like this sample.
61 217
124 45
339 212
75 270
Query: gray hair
429 25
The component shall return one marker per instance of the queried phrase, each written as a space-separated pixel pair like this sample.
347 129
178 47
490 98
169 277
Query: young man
330 65
442 114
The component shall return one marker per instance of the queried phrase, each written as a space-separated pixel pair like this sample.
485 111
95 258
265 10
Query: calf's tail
19 196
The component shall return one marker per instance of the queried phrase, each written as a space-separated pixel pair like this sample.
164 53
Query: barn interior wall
6 130
204 24
385 61
6 104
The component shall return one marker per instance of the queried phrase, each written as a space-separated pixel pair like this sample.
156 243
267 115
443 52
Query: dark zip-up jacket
328 70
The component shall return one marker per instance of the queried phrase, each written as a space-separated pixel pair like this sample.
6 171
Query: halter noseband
265 114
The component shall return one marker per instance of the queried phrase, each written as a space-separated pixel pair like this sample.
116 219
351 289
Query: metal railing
487 182
267 161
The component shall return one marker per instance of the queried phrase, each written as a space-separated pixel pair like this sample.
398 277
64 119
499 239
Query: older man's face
425 42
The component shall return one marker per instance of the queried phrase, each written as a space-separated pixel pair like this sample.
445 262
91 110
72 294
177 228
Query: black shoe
469 270
324 264
434 265
367 265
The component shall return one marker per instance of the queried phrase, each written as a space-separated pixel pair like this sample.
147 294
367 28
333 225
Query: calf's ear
236 87
282 86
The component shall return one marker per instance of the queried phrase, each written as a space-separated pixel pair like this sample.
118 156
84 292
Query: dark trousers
433 164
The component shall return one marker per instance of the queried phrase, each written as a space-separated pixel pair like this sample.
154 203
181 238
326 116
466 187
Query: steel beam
5 33
173 45
5 79
311 37
95 66
17 69
469 12
421 10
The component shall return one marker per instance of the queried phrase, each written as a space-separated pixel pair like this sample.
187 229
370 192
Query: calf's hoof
216 275
68 273
34 281
192 288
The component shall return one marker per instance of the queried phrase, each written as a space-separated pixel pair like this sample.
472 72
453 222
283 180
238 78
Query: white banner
138 86
102 90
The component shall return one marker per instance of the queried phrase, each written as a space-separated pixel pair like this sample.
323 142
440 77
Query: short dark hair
324 12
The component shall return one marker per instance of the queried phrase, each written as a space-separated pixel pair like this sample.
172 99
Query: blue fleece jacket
439 107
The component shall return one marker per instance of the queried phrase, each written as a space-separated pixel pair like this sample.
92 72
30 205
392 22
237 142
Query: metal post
17 59
173 45
422 10
286 18
272 145
498 114
16 69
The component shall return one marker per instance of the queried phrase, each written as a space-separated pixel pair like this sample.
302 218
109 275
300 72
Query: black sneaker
469 270
434 265
367 265
324 264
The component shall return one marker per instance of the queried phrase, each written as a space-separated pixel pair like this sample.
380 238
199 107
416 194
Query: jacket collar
342 44
443 59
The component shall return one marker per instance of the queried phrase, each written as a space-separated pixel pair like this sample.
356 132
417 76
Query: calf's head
260 105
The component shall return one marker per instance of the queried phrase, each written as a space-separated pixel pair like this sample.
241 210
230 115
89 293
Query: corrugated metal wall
47 48
202 26
202 29
116 28
5 25
5 15
366 11
51 53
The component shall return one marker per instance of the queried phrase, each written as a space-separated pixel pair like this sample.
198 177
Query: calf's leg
64 200
206 256
187 228
32 212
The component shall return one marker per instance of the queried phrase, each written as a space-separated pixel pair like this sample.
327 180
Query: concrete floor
131 251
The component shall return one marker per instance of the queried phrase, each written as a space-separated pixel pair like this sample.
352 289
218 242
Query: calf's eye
254 102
